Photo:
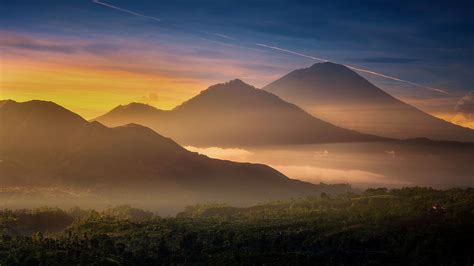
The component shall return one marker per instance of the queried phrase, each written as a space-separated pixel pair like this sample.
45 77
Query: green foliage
125 212
420 226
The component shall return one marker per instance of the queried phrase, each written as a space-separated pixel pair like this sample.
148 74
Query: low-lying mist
363 165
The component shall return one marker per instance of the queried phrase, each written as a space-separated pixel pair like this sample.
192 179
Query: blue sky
427 42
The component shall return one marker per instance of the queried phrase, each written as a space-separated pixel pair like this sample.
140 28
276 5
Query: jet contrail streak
223 36
291 52
157 19
125 10
278 49
396 79
230 44
355 68
218 42
217 34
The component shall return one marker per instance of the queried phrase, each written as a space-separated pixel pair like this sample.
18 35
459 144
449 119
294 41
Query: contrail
157 19
355 68
125 10
221 43
223 36
217 34
291 52
278 49
397 79
230 44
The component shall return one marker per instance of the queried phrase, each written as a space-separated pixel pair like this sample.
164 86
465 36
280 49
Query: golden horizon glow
91 92
90 77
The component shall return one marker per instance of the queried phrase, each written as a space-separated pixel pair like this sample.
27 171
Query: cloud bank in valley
355 177
304 170
233 154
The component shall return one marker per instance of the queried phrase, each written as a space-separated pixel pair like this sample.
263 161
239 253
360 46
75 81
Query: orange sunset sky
90 58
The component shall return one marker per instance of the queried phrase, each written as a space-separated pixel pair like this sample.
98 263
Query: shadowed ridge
136 107
237 114
132 108
5 102
143 131
130 158
138 113
231 94
48 111
237 96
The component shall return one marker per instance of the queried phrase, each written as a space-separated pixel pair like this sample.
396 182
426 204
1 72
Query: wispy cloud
27 43
465 111
126 10
466 104
114 70
17 41
151 98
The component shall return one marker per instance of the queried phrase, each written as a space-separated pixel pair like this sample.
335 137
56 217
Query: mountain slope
43 144
338 95
234 114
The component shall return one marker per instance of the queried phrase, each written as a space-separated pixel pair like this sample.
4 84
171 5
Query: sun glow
87 91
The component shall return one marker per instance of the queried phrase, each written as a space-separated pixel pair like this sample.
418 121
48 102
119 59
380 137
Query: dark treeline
408 226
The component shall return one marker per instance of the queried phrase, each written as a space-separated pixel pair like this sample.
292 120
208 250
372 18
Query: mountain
44 145
338 95
234 114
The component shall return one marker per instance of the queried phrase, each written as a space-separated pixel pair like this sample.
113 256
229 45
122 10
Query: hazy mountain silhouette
338 95
43 144
234 114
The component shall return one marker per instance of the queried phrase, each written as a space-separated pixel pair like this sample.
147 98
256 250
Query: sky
91 56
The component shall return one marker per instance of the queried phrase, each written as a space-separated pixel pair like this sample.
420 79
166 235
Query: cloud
233 154
56 45
306 172
150 98
28 43
355 177
465 111
101 48
465 105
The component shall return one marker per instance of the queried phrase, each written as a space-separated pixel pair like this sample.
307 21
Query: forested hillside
402 226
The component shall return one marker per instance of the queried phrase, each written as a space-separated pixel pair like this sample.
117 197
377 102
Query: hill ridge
237 114
339 95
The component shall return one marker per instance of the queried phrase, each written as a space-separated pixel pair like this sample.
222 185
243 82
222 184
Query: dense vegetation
402 226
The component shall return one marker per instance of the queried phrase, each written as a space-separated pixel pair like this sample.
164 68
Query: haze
116 102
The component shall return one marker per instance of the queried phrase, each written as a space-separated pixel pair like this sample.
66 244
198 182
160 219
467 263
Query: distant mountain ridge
43 144
338 95
234 114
